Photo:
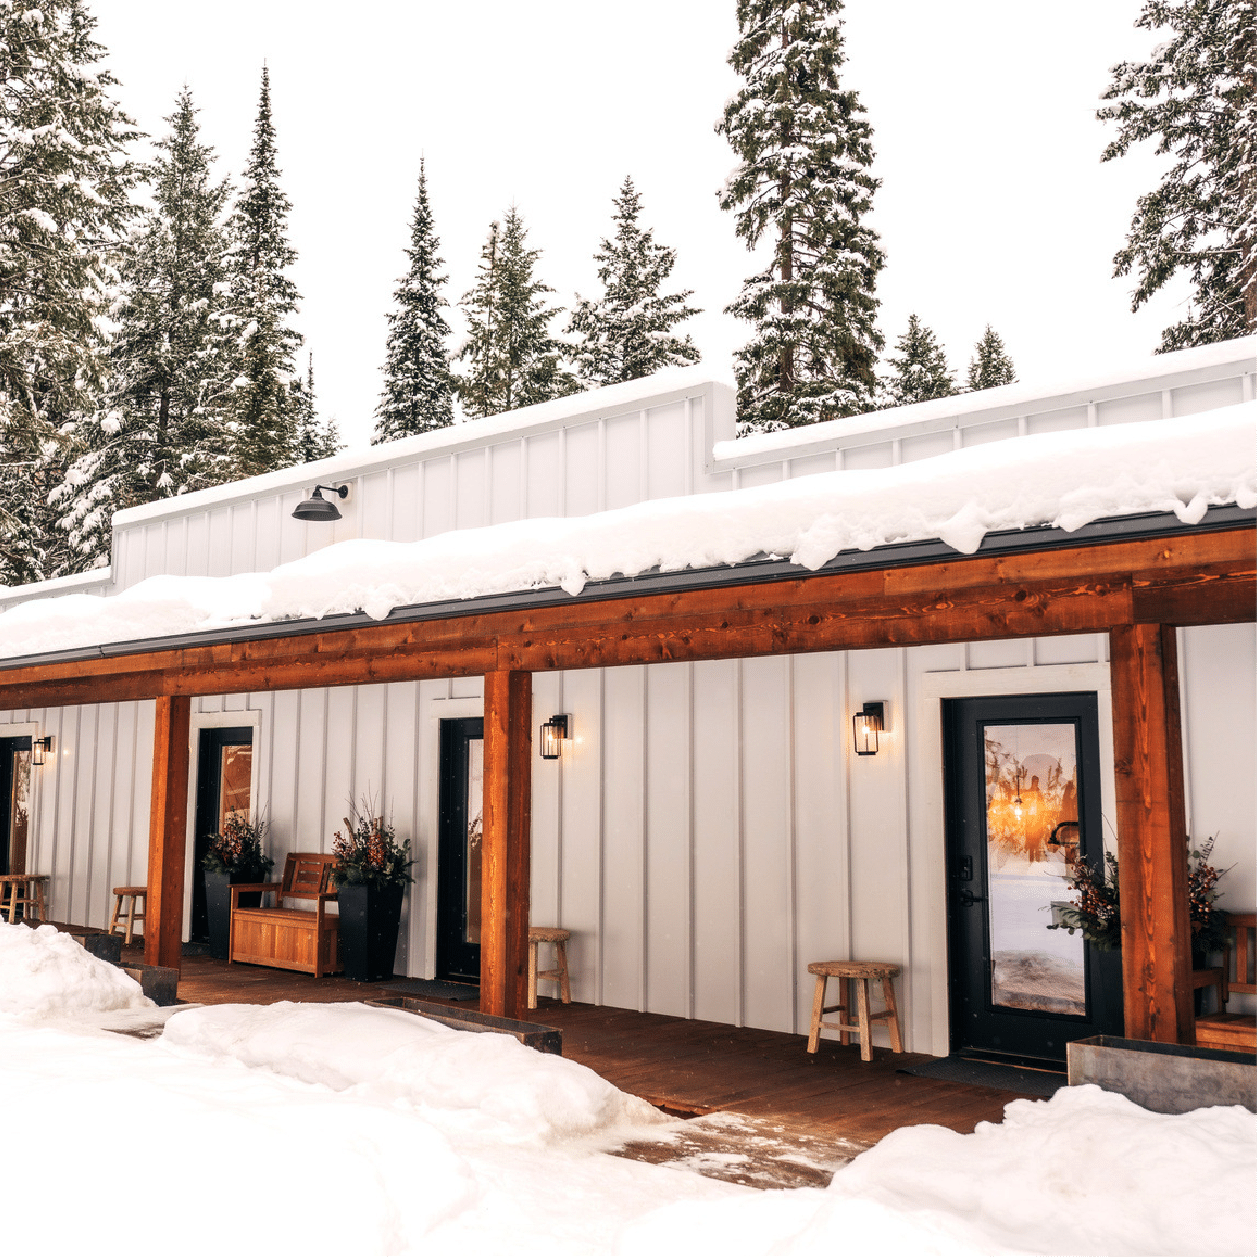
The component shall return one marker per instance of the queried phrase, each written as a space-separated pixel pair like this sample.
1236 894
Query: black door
15 799
1023 805
223 784
460 850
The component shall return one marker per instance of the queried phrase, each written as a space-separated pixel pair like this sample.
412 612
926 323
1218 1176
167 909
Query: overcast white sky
994 205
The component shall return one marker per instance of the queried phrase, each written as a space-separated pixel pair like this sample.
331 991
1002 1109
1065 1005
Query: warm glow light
866 725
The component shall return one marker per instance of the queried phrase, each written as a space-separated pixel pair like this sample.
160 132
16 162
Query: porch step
1230 1032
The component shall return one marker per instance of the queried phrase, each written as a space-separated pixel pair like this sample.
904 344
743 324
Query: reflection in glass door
15 795
1023 805
460 850
224 783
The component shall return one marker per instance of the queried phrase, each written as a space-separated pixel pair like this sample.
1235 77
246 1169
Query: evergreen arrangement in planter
235 857
370 878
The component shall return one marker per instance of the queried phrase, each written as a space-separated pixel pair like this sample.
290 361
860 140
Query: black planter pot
218 909
1106 991
369 918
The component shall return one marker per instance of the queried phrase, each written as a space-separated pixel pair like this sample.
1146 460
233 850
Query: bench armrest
247 887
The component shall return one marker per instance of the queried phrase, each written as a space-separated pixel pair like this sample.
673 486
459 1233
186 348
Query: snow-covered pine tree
64 180
990 365
1197 99
920 368
315 440
805 147
162 430
418 388
512 359
627 333
263 298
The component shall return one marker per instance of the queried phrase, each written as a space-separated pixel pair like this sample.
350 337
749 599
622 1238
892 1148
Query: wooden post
1151 834
506 869
167 835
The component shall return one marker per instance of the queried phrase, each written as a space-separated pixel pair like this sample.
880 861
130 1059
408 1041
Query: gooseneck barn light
866 725
316 508
552 734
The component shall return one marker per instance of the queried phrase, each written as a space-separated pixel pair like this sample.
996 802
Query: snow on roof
1066 479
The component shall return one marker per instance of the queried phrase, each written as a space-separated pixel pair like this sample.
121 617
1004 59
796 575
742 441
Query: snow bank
487 1084
1086 1172
45 974
1067 479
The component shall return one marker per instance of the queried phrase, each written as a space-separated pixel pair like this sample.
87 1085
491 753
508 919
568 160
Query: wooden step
1230 1032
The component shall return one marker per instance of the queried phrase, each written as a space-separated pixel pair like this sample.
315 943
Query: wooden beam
507 864
1192 579
1151 834
167 835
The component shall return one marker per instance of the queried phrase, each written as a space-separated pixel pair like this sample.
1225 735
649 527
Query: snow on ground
45 974
334 1129
1067 479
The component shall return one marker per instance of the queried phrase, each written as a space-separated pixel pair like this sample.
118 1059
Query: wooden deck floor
686 1066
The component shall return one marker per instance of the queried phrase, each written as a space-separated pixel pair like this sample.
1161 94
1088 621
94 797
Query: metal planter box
1164 1077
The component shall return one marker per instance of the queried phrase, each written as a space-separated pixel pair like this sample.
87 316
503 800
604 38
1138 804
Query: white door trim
928 821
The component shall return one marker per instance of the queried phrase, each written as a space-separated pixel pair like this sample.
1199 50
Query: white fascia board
564 412
1157 374
77 583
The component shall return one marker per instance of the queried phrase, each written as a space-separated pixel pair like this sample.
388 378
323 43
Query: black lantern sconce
317 509
41 749
866 725
552 734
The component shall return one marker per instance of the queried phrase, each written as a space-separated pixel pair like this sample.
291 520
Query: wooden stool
25 891
854 973
133 893
548 934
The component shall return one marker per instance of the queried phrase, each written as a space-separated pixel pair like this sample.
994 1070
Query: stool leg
565 981
866 1039
818 1008
113 916
888 994
40 903
846 1007
131 921
12 903
532 974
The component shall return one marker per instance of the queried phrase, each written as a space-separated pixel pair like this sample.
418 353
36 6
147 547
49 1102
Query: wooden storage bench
284 937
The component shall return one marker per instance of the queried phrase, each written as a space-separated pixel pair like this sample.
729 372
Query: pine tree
162 430
805 147
990 365
263 298
418 388
1197 98
64 207
627 333
314 440
920 368
513 361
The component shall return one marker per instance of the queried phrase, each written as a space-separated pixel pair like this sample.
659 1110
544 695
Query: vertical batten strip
167 835
691 949
844 785
602 831
739 829
900 712
643 907
792 847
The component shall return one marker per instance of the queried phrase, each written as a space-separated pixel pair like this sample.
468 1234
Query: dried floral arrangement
237 850
1097 912
368 853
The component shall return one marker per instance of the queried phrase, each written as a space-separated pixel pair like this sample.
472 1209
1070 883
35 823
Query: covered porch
1137 586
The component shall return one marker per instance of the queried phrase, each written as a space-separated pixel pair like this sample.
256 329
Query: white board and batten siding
708 831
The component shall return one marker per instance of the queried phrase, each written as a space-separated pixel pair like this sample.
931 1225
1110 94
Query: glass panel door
15 800
475 833
460 850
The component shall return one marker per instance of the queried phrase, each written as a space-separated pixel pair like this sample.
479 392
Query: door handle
968 898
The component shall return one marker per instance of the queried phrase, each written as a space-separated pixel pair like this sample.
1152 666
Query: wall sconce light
316 508
866 725
41 749
552 734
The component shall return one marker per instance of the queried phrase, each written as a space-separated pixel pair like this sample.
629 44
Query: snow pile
1067 479
45 974
486 1084
1086 1172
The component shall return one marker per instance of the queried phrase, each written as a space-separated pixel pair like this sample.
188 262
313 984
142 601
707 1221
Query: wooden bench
1234 1032
284 937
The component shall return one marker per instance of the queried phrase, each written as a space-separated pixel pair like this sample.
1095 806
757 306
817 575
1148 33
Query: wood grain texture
1151 834
167 826
1203 578
506 867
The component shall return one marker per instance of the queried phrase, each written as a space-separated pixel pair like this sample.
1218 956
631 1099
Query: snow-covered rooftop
1065 479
